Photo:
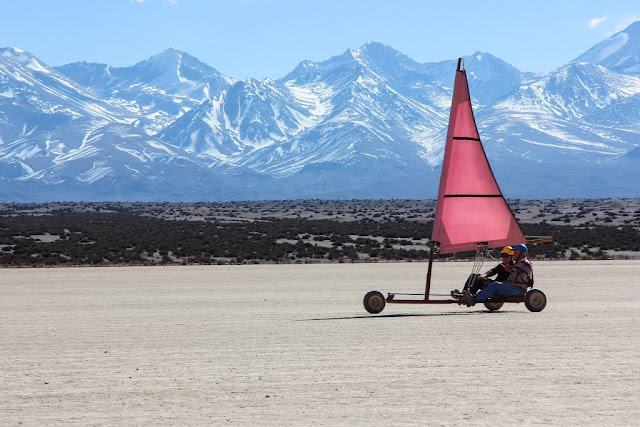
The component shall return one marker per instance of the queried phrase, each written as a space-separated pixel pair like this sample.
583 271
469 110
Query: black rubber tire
535 300
493 306
374 302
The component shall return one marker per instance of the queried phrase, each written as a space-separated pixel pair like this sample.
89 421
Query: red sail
471 210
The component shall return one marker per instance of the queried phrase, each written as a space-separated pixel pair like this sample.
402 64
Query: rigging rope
481 256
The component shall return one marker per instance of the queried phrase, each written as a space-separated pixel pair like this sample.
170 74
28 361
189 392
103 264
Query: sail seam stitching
468 138
473 195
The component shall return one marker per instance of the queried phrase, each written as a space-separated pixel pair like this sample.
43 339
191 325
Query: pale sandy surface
292 345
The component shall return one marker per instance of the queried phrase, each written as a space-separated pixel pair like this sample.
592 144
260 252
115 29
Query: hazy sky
268 38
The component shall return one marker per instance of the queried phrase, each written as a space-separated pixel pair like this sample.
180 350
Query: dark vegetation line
125 238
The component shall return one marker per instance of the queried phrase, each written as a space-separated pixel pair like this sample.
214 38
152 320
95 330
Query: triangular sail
471 210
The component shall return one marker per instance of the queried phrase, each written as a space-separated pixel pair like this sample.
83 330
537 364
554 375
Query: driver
501 271
515 285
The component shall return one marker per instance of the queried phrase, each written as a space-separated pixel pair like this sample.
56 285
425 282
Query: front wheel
493 306
374 302
535 300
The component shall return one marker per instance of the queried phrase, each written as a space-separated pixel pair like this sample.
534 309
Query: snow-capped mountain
33 85
56 134
555 116
490 78
369 123
340 110
366 116
250 115
156 90
620 52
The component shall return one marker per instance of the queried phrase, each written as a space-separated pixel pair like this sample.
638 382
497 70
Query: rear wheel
535 300
374 302
494 306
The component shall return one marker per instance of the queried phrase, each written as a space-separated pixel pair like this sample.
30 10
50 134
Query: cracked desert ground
292 345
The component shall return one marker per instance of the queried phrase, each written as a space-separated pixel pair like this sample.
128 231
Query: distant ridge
368 123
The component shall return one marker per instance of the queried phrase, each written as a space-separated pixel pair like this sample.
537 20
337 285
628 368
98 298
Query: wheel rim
375 301
536 300
493 306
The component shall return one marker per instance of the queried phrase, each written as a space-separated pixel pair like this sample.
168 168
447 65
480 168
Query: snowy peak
370 57
306 72
573 92
175 71
490 78
158 90
37 89
21 57
172 72
587 87
383 55
620 52
388 63
345 67
485 67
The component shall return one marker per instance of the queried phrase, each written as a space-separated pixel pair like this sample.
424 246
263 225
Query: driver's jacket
500 270
522 274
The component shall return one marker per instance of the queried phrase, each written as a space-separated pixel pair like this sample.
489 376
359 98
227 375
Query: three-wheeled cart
534 299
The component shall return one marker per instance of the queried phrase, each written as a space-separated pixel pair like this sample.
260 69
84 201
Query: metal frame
391 296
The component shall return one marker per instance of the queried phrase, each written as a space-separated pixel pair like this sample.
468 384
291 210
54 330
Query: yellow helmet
507 250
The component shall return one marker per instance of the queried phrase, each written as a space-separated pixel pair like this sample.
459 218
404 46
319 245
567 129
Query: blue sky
268 38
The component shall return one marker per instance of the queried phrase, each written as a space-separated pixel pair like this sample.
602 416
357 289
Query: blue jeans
498 289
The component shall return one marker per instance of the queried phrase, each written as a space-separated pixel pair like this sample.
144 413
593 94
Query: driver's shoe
469 299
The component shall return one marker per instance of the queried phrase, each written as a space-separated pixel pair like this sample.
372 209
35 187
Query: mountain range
369 123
